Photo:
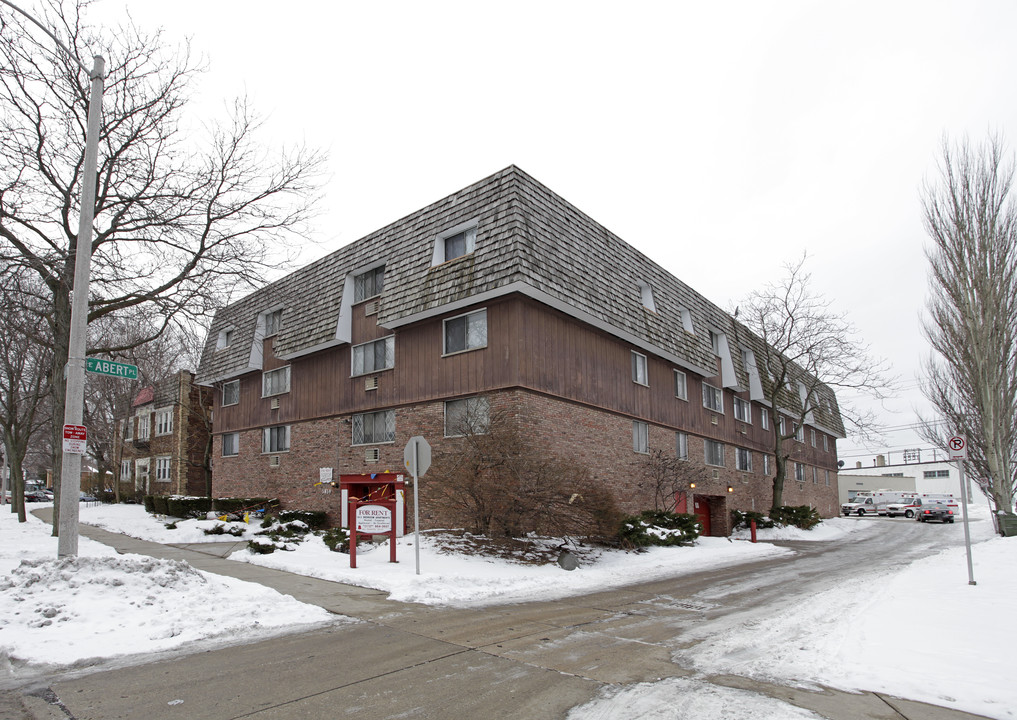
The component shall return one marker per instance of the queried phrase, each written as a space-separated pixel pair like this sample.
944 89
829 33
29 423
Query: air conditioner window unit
372 455
273 461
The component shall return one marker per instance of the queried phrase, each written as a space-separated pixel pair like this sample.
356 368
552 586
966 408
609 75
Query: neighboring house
166 439
502 296
935 476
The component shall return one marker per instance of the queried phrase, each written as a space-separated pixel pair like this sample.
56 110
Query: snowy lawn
101 604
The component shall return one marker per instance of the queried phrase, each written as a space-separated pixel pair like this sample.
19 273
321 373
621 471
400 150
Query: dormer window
273 322
368 284
687 321
225 339
460 240
646 296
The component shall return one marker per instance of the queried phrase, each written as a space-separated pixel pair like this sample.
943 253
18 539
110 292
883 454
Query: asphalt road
533 660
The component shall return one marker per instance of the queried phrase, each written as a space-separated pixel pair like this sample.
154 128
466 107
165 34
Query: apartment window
466 332
230 444
275 382
936 474
125 471
766 464
681 385
273 322
799 472
224 339
682 445
799 432
812 437
764 418
164 421
640 437
469 416
275 439
459 244
826 443
368 284
144 425
639 369
742 410
373 356
687 321
646 296
827 477
715 342
129 430
714 452
743 459
815 476
373 428
780 425
162 469
713 398
231 393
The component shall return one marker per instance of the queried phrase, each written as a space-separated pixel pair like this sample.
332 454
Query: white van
876 502
911 507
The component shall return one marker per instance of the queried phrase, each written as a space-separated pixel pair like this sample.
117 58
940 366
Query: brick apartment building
500 296
166 438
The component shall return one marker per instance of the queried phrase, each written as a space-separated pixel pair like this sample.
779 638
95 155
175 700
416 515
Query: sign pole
959 451
416 510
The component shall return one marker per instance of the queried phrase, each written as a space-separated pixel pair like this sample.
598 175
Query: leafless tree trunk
971 218
183 218
808 352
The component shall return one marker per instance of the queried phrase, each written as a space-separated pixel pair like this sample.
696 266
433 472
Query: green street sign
108 367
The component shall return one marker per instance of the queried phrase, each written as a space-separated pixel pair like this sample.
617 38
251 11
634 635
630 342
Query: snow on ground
100 604
922 633
864 634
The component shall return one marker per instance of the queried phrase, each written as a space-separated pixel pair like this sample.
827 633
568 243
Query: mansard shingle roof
528 240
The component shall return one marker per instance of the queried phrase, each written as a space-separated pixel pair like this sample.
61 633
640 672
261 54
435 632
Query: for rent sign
374 519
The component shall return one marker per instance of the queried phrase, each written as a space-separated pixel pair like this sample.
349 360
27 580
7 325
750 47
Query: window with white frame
275 382
639 369
927 474
125 471
827 472
129 430
162 468
799 432
640 437
812 437
461 243
373 428
764 418
468 416
466 332
230 444
164 421
275 439
144 425
682 445
231 393
368 284
742 410
224 339
374 356
743 459
826 443
681 385
766 464
713 452
799 472
646 296
715 342
273 322
780 425
713 398
815 475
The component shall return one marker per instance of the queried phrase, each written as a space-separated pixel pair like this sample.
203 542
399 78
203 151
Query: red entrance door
702 511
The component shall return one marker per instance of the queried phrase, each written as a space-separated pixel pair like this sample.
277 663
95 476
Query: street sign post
108 367
958 445
417 457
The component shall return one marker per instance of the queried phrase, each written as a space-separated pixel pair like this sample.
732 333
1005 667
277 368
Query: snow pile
100 604
686 699
132 520
830 529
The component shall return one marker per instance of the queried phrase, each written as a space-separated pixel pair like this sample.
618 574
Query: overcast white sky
721 139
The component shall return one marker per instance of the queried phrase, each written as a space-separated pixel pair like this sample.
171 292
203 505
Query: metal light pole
70 476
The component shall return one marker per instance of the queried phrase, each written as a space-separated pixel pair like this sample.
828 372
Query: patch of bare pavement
532 660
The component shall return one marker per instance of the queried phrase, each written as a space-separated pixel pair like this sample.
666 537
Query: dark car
934 511
36 496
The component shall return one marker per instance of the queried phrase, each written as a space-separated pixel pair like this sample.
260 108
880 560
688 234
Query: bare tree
24 376
808 352
671 476
971 217
185 213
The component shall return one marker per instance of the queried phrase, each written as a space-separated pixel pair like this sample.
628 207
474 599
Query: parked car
36 496
934 511
88 497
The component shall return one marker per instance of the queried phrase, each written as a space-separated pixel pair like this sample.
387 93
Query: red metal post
752 525
353 534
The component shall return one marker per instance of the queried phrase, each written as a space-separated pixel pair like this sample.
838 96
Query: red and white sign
374 519
958 447
75 439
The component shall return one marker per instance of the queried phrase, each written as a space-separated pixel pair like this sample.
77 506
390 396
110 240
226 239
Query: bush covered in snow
800 516
742 520
658 527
